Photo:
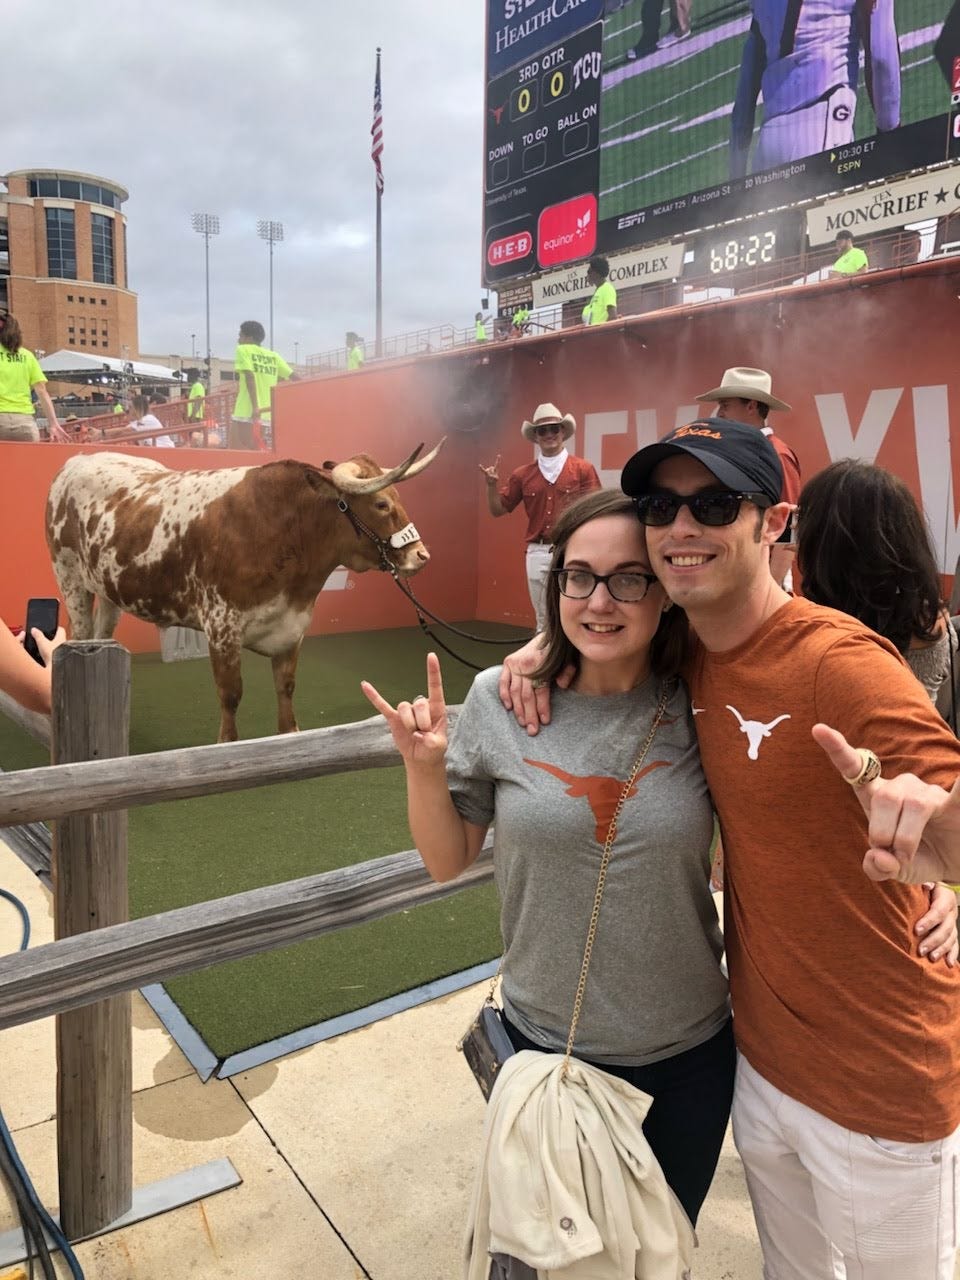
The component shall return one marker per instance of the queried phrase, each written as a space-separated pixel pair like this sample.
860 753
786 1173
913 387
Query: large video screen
614 123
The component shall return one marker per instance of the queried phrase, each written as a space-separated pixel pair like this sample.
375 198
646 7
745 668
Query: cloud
257 111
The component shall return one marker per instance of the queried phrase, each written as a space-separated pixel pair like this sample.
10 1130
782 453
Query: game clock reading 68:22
747 246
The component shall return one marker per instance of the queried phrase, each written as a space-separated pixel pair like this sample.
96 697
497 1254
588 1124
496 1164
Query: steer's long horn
346 481
416 467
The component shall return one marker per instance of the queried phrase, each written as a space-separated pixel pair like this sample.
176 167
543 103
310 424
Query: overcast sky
263 110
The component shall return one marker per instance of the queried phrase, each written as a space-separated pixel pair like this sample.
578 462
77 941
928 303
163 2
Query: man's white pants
832 1204
538 567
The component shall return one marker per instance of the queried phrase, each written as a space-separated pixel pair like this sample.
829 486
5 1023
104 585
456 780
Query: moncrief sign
895 204
659 262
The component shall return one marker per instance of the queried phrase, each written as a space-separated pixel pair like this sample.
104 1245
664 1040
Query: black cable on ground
36 1222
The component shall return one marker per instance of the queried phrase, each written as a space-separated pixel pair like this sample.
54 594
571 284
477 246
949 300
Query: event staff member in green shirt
603 305
196 409
258 372
851 260
521 321
355 353
480 330
20 373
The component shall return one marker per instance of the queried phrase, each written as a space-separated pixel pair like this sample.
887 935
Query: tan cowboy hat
745 384
543 415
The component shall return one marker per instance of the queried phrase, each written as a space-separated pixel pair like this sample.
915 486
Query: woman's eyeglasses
710 509
628 588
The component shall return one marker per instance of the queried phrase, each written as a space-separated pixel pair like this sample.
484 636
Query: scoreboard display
602 136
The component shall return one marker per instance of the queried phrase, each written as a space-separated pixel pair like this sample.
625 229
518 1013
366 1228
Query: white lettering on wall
931 425
616 423
865 444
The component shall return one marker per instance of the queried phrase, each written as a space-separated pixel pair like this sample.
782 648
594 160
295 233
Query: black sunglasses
548 429
580 584
710 509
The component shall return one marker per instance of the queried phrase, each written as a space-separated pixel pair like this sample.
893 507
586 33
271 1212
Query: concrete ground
356 1155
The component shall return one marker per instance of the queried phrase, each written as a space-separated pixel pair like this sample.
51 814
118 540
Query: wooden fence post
90 720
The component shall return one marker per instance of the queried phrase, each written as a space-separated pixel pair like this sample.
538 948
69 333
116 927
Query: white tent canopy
73 366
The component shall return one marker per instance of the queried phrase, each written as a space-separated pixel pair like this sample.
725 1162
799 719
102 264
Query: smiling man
847 1104
546 487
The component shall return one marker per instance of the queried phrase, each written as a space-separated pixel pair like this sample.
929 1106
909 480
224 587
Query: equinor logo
567 231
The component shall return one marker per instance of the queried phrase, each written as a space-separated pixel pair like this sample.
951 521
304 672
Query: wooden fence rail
99 955
97 786
89 967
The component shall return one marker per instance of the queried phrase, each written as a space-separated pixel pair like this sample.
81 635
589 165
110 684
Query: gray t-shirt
655 987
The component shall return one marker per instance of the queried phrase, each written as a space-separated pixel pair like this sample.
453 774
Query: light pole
207 224
272 232
193 346
296 354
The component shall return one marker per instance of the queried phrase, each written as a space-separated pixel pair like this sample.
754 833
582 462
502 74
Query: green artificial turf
192 850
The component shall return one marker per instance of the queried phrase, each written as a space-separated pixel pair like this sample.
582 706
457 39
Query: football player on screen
805 57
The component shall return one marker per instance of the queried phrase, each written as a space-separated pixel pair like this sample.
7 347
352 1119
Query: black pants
692 1093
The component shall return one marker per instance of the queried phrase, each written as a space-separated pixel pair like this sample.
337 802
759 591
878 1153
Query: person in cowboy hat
546 487
745 395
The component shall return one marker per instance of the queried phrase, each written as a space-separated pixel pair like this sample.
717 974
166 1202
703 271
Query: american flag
376 130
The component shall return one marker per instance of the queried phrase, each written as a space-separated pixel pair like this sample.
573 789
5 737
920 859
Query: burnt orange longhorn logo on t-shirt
602 793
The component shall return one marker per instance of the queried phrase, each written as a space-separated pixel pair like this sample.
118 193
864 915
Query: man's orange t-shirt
832 1002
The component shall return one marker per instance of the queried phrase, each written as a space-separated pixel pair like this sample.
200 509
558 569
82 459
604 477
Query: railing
210 432
84 976
891 249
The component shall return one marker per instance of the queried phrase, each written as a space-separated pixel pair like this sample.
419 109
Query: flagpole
379 187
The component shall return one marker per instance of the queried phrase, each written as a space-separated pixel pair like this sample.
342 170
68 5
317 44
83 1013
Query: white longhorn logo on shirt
755 730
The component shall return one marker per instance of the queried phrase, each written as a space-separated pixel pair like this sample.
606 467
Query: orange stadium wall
869 367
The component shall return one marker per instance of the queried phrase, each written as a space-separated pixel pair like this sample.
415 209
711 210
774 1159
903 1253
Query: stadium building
63 262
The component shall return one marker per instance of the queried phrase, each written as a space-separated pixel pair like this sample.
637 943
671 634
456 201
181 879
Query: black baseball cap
741 457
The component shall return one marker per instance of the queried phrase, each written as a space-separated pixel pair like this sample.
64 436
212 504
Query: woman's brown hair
10 335
669 646
863 547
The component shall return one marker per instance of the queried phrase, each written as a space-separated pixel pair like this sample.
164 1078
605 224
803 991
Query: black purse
485 1044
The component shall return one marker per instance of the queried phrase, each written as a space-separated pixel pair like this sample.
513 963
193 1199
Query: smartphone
44 614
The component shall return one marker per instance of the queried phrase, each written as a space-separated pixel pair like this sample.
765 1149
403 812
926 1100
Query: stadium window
93 342
103 302
48 187
69 297
101 228
61 244
91 192
83 342
69 190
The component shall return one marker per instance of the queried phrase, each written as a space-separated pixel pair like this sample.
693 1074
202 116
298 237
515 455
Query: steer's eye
383 504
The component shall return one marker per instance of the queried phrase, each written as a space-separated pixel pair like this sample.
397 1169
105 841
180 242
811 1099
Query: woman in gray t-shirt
655 1010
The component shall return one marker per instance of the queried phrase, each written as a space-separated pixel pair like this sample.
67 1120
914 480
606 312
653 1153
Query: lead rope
387 565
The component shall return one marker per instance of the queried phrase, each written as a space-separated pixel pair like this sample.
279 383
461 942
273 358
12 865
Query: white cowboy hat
543 415
745 384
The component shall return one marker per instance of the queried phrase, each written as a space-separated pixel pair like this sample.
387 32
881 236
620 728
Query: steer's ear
319 478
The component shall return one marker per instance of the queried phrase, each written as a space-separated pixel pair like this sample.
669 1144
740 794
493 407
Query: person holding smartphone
26 681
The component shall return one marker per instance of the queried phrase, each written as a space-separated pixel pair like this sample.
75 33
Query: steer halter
402 538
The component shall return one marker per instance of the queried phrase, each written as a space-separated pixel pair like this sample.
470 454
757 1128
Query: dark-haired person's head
193 375
669 645
844 240
10 335
863 547
598 270
252 331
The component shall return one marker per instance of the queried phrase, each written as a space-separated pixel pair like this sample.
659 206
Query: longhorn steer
240 553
